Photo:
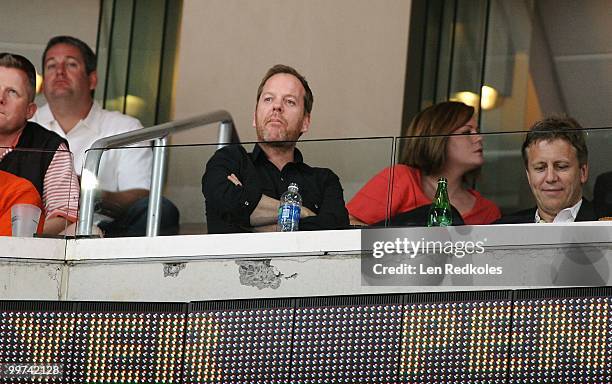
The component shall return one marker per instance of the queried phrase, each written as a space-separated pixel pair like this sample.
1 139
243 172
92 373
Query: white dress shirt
120 169
567 215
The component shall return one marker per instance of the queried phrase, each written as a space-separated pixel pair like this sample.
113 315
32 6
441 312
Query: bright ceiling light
490 98
39 80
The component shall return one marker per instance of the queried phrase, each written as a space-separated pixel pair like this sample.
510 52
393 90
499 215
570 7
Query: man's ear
305 123
93 80
31 110
255 118
584 173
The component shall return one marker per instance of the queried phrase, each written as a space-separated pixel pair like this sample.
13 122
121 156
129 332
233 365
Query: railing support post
89 187
160 151
89 177
226 133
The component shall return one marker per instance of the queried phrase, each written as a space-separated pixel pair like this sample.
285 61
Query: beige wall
353 53
27 25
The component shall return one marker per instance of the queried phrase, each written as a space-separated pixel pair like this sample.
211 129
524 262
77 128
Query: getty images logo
412 248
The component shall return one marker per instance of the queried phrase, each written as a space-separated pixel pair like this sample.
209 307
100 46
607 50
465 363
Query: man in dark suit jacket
602 194
585 213
556 162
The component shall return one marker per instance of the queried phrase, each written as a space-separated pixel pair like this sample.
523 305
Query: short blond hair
11 60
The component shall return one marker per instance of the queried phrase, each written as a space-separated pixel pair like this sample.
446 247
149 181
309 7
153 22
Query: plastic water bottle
289 209
440 214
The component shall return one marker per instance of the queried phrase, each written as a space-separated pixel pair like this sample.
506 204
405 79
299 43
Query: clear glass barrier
44 179
354 161
186 165
357 162
121 191
502 177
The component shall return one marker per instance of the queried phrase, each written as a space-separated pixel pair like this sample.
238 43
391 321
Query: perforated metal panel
563 340
534 336
225 344
352 341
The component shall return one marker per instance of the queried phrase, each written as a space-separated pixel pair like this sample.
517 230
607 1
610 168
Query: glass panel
468 48
502 177
362 168
119 56
184 184
447 33
120 190
502 154
103 48
145 60
353 161
432 52
504 100
168 61
512 63
37 178
136 48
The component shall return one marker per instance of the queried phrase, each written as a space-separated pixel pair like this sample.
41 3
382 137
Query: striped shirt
60 185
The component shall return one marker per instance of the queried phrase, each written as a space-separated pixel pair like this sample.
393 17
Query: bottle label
289 217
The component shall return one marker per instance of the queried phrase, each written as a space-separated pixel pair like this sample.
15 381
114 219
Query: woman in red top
457 155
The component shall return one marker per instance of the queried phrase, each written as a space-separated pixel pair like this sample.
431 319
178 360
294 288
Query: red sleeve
370 203
490 213
484 212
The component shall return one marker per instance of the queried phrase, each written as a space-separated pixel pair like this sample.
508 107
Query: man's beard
285 142
280 143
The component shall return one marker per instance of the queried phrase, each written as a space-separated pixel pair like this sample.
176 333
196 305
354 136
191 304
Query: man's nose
61 68
551 175
277 106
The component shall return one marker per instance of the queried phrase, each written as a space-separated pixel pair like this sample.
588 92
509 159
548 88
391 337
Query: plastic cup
24 219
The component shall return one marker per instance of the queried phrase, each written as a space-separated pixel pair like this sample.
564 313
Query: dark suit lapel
586 212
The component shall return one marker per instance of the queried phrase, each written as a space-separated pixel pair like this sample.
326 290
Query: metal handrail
89 176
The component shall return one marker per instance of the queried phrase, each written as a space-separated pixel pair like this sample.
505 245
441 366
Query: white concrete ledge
214 267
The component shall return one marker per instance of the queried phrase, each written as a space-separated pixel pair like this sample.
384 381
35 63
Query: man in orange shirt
16 190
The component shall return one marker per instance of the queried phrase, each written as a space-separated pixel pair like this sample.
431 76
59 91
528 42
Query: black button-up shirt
229 207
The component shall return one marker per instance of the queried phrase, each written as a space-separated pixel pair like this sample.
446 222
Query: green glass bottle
440 214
